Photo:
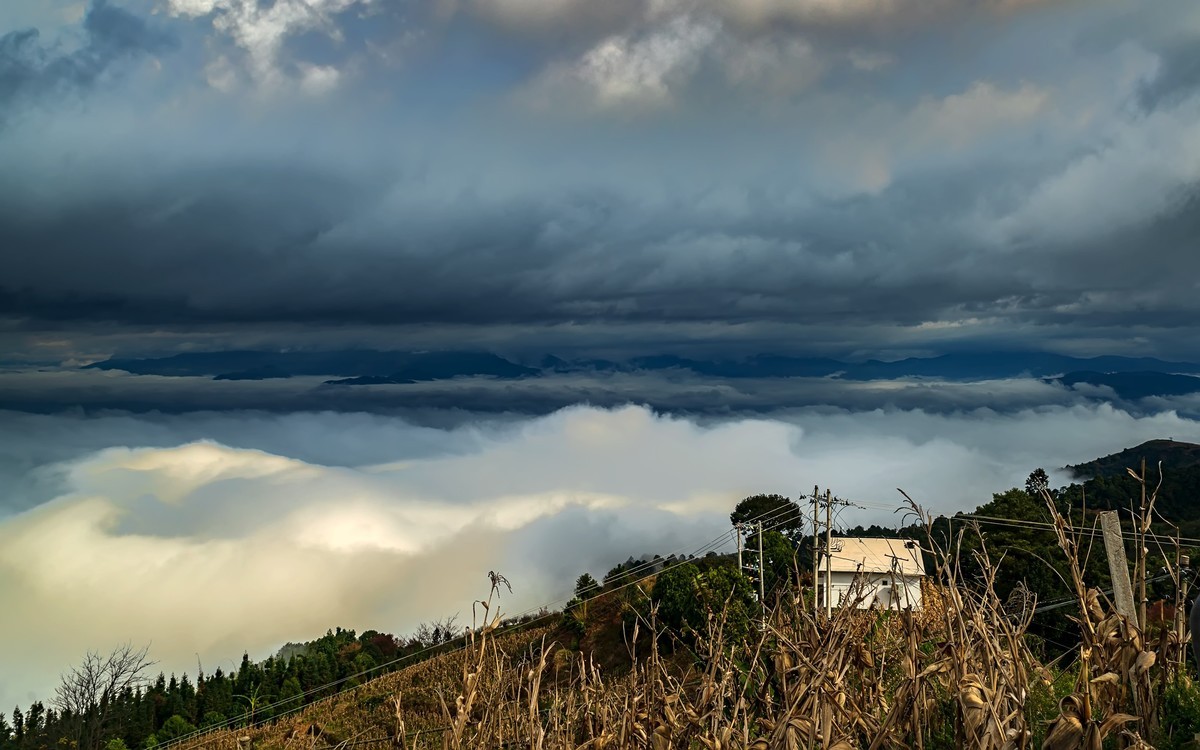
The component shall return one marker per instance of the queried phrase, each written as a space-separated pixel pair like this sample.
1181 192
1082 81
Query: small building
873 573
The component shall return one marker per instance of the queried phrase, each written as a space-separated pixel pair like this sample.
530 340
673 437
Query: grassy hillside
961 673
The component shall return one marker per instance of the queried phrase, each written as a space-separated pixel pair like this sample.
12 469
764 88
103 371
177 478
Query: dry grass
957 674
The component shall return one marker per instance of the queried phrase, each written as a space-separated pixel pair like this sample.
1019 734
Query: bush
175 727
686 597
675 593
574 617
1042 705
1179 714
213 719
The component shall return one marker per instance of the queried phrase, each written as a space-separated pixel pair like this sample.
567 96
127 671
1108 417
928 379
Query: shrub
1179 714
174 727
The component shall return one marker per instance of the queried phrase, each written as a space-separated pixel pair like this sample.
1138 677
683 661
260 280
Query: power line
1074 600
1127 535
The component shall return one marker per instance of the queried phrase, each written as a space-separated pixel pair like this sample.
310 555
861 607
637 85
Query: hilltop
1175 456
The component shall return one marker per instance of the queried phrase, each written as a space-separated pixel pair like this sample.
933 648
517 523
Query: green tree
586 587
773 510
675 593
779 562
116 743
726 592
687 598
291 689
174 727
213 719
1037 481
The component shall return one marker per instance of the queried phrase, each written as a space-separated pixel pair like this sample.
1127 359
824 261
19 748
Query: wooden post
816 547
737 530
1118 564
1143 528
828 555
1182 565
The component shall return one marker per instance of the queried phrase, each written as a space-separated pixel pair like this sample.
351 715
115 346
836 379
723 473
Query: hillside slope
1176 456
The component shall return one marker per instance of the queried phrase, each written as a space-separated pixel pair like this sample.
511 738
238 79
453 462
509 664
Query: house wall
880 590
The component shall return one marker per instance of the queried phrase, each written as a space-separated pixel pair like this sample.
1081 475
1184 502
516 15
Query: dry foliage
958 673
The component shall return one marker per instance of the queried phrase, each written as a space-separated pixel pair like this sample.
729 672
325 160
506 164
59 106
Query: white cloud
213 548
643 71
261 29
655 68
555 15
318 79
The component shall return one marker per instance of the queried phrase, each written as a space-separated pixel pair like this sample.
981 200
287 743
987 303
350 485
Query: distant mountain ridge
367 366
1176 456
1135 377
1135 385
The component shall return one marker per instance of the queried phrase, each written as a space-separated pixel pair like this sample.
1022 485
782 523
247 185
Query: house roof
869 555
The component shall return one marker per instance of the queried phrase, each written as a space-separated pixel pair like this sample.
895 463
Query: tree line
109 703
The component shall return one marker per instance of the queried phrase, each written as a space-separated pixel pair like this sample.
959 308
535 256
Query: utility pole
815 552
1143 524
828 554
762 570
737 529
1183 564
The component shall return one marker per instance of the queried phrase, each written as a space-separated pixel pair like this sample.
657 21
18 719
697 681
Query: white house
879 573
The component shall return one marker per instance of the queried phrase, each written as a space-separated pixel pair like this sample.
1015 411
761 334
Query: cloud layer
871 170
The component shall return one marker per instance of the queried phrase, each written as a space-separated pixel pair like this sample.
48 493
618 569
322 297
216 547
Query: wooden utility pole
1143 525
737 530
1183 564
828 554
1118 565
816 553
762 570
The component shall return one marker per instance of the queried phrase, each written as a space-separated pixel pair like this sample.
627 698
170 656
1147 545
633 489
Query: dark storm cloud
30 68
865 194
275 244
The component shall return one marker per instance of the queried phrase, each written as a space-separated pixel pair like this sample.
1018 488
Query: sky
712 178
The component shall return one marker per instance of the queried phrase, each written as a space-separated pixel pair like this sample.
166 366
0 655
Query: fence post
1118 565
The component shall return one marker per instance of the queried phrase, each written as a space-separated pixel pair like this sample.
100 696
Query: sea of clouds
206 535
